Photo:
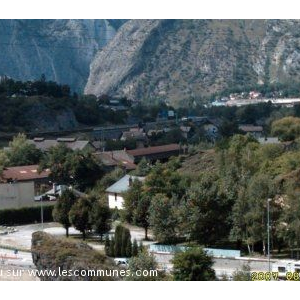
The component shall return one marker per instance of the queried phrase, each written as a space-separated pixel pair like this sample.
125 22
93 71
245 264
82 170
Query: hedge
25 215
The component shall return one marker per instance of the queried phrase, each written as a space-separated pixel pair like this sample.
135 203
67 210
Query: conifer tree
112 247
129 248
107 245
135 248
118 240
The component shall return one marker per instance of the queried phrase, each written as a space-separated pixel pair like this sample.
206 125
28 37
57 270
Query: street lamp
268 231
42 213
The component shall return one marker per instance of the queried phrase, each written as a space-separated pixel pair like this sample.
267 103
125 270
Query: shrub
25 215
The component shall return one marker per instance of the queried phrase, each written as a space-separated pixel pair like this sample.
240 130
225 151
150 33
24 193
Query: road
221 265
15 267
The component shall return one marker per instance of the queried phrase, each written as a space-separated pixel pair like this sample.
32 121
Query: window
116 195
281 269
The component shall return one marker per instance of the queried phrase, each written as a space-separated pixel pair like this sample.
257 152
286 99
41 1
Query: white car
121 262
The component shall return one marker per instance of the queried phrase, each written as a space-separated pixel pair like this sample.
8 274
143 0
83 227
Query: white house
115 191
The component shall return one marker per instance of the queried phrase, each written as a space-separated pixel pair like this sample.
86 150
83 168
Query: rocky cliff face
182 59
60 49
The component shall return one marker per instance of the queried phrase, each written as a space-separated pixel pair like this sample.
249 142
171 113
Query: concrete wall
115 201
17 195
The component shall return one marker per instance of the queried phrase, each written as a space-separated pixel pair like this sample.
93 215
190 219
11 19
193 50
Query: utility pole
268 232
42 213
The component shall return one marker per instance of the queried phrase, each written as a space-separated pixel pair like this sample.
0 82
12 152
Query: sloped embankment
69 260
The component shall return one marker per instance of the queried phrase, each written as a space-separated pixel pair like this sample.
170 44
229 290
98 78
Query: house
186 131
269 140
19 185
115 193
155 153
134 133
211 128
255 131
112 159
128 159
72 143
154 132
56 191
287 145
24 174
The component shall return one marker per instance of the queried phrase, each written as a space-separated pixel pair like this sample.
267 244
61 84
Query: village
33 187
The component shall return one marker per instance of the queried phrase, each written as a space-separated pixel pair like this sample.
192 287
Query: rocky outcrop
177 60
64 257
60 49
41 118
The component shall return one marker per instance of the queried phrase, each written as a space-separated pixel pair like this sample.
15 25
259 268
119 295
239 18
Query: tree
208 211
126 242
62 209
290 219
131 200
135 248
80 215
287 128
112 247
22 153
260 189
70 167
141 213
143 168
166 180
242 275
129 248
56 161
83 169
122 241
193 265
143 262
118 240
163 219
107 245
101 218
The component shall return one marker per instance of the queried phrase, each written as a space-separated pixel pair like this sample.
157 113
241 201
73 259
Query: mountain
176 60
60 49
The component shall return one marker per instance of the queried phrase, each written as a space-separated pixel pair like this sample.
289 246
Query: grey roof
71 143
269 140
55 192
122 185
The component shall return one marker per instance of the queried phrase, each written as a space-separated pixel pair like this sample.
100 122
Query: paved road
221 265
16 267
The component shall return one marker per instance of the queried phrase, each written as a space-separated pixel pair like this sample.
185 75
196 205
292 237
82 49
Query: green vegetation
287 128
144 263
101 218
52 253
120 245
193 265
242 275
25 215
69 167
62 209
19 153
79 215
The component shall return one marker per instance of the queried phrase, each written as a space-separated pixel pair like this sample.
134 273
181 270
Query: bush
25 215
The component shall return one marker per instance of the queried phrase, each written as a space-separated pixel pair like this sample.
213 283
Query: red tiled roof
108 159
154 150
24 173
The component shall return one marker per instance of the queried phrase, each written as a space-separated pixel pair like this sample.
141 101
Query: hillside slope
184 59
60 49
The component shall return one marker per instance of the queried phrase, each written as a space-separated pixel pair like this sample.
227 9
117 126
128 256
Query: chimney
54 188
130 181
